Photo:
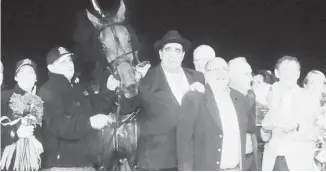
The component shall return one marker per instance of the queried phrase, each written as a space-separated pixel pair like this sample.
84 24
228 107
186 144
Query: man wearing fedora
159 99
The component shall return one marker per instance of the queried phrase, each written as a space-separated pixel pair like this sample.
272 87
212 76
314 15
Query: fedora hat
172 36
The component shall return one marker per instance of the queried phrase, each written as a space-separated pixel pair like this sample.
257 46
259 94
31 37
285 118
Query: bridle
112 66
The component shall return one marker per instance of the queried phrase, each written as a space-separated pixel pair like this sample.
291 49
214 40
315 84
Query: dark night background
261 31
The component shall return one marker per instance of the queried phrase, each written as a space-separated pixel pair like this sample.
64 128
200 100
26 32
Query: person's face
26 77
288 73
242 76
65 66
316 83
200 63
217 76
257 81
171 55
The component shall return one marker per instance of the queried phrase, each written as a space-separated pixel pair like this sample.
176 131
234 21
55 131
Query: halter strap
117 60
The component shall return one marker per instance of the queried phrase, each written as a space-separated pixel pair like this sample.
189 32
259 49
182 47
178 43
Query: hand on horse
197 86
142 68
112 118
112 84
99 121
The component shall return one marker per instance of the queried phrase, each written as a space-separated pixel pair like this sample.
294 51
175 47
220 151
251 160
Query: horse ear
120 16
95 21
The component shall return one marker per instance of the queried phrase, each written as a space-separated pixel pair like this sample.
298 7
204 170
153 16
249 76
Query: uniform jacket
66 123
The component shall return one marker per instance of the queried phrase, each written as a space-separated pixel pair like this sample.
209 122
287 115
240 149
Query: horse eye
129 39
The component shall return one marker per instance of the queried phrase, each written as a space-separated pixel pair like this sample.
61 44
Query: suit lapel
189 76
163 83
212 107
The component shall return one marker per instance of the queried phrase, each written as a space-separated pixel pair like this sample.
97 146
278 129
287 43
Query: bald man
202 54
240 75
216 124
240 80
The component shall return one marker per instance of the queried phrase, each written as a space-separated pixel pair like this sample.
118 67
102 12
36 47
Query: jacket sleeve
104 102
38 133
60 122
200 135
251 125
8 133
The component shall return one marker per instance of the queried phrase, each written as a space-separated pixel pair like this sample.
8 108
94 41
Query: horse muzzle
130 90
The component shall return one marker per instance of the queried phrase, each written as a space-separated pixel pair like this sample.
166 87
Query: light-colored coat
297 146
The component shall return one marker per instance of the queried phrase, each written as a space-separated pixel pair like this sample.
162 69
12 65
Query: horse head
116 46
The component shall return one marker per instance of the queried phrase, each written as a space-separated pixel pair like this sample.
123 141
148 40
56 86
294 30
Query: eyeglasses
217 69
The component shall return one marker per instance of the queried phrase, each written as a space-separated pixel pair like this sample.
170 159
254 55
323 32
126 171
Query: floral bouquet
261 111
28 109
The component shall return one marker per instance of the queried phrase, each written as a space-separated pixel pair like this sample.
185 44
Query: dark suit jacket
66 125
158 114
202 130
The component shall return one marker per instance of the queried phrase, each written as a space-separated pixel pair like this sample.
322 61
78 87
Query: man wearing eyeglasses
217 123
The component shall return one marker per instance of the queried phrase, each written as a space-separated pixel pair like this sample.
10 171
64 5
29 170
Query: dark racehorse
115 146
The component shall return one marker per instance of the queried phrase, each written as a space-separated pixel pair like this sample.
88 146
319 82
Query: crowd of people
216 117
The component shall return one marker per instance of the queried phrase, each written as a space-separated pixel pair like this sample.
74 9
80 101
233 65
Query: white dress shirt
231 151
178 83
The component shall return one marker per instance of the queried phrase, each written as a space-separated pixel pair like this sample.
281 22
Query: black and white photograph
163 85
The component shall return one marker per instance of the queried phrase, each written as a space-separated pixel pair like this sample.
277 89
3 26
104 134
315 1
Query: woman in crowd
11 132
314 82
261 85
308 133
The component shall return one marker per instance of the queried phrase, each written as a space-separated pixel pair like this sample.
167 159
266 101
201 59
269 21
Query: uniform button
219 150
77 104
221 136
217 162
12 134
